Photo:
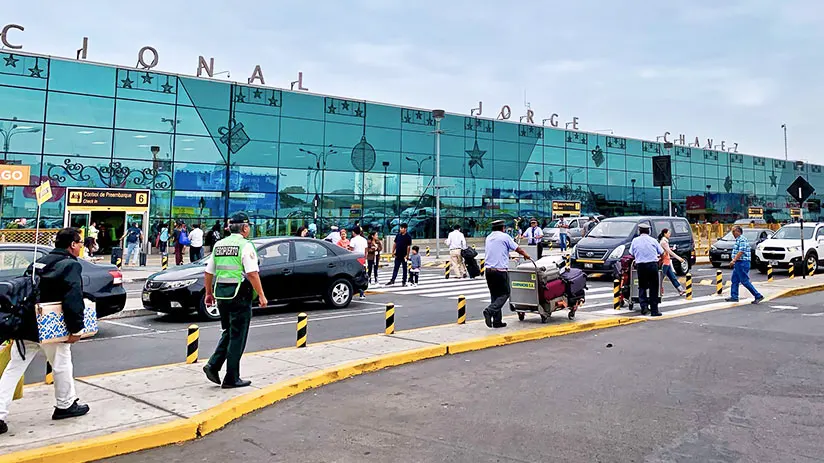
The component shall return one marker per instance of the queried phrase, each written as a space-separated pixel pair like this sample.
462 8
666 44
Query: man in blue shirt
498 247
646 251
741 267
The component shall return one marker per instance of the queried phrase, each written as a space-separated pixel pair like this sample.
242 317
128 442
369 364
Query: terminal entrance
111 211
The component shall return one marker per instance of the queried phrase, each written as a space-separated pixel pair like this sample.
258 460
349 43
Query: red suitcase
554 289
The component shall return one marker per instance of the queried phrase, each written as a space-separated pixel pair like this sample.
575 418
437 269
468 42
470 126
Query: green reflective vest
227 254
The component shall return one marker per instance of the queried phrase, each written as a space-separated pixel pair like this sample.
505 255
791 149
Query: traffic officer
498 247
647 251
534 236
233 280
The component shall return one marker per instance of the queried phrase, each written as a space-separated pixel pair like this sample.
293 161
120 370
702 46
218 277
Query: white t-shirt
456 240
196 237
359 245
248 257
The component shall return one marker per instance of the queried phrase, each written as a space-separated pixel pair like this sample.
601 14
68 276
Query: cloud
569 66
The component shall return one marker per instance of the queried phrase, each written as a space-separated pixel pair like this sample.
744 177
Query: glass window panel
343 136
22 104
554 156
302 105
256 153
530 152
596 177
417 142
554 137
634 147
575 157
129 144
77 171
451 145
258 179
139 115
301 131
21 137
378 115
617 178
504 151
199 149
146 86
192 176
259 127
160 204
384 139
78 141
80 109
78 77
506 131
186 205
204 93
260 204
16 70
616 162
635 163
191 121
459 167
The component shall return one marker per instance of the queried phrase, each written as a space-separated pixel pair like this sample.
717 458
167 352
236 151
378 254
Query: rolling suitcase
117 253
142 259
576 282
554 289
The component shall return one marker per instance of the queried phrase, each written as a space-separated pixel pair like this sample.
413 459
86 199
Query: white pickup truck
784 248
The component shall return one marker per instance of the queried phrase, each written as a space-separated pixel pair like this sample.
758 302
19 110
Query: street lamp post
633 189
385 168
784 126
320 168
438 115
7 131
419 163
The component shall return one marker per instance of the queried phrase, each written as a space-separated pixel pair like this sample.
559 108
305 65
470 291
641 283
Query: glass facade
207 148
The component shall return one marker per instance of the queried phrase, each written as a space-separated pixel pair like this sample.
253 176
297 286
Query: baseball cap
239 217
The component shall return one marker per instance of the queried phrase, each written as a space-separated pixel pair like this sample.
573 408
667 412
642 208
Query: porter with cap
233 280
497 248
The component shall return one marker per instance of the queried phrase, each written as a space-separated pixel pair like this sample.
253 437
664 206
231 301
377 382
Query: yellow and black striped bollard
791 271
689 286
483 267
119 263
810 269
566 261
303 323
769 273
447 269
164 261
192 343
390 318
461 309
719 282
427 251
616 294
49 374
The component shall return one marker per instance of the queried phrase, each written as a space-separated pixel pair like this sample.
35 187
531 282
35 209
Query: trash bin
117 253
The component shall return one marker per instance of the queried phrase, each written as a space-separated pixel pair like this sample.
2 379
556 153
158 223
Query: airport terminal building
198 149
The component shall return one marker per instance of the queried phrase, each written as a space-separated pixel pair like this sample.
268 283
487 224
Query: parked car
747 222
784 248
721 250
610 239
291 269
102 284
552 234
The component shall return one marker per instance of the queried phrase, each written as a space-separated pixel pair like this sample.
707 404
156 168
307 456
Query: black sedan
721 251
291 269
102 284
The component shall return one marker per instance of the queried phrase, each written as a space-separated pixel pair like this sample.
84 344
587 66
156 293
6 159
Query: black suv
610 239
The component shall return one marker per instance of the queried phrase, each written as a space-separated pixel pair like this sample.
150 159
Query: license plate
725 256
773 263
145 297
587 265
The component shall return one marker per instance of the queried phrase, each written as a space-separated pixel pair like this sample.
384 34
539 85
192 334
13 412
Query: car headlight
794 248
618 252
574 253
179 284
713 248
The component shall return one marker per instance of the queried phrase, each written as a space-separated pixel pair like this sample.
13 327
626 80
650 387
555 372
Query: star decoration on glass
273 101
477 122
36 71
609 143
569 139
240 98
407 118
257 93
531 129
147 78
331 109
523 132
11 61
773 179
127 83
476 156
345 105
167 87
359 111
418 115
469 126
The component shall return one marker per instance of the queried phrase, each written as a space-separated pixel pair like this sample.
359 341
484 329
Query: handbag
51 325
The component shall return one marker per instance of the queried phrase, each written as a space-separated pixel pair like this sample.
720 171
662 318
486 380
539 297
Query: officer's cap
498 223
239 217
643 226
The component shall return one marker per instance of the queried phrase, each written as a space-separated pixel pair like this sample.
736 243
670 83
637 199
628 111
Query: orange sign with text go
14 174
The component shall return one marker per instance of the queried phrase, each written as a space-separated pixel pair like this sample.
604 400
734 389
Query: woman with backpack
181 237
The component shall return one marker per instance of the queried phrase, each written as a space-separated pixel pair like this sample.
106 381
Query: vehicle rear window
660 225
680 227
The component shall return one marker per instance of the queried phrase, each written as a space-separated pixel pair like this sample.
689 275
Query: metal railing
708 233
27 235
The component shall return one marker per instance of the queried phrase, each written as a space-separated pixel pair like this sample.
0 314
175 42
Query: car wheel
811 261
339 294
205 312
681 269
716 264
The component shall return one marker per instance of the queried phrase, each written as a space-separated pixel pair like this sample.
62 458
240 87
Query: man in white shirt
534 235
196 246
334 236
359 244
456 243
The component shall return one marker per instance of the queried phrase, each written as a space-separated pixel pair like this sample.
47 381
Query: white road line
664 304
466 293
429 287
125 325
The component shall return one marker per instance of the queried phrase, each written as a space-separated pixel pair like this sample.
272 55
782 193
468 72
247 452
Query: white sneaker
363 297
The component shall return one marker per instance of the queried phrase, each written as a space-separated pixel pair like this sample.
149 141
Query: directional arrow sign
800 190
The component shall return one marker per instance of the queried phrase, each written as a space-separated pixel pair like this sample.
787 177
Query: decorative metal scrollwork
114 174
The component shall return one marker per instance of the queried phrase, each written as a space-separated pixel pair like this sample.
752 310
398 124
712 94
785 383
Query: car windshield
612 229
793 233
751 235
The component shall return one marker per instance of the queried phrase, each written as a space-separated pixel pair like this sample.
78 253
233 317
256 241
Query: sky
732 70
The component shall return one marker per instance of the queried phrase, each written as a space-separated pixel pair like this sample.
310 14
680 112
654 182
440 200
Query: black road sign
661 171
800 189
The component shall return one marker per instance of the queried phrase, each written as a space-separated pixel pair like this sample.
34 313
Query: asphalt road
738 385
158 340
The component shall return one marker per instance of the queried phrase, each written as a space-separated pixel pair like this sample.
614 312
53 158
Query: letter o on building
142 62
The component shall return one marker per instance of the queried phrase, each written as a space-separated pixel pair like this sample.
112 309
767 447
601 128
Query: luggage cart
633 287
526 295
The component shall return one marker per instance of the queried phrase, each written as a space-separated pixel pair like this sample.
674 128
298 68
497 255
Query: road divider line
125 325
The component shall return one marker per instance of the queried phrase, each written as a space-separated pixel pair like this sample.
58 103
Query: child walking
415 260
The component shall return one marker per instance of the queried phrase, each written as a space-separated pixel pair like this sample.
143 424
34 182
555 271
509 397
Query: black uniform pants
235 316
498 284
648 281
400 262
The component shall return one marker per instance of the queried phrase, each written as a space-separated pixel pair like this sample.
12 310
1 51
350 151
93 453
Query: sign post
801 190
566 208
43 193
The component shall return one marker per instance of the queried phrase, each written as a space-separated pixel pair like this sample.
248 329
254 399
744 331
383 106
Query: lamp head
438 114
155 150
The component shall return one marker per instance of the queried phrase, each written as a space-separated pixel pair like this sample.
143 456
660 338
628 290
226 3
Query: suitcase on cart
576 281
554 289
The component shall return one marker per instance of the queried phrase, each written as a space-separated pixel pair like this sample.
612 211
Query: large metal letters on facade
682 140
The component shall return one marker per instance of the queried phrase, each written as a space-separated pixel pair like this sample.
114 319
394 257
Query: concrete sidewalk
149 407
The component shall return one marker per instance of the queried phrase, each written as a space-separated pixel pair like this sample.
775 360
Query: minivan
599 251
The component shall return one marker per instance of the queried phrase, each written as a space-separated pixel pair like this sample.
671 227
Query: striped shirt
743 246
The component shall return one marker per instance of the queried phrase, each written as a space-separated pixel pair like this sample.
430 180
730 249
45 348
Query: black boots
74 411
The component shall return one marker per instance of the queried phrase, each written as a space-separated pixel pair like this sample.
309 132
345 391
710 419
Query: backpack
184 238
215 236
133 237
18 296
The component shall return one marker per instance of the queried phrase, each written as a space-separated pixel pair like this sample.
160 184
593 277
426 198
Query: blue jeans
670 273
131 250
741 275
562 241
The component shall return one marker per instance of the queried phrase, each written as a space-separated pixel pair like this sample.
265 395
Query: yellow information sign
795 212
523 285
43 193
566 208
755 212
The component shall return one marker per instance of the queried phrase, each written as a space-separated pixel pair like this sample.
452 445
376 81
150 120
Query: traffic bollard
616 294
49 373
483 267
427 251
769 273
791 271
810 269
447 269
461 309
164 261
192 344
719 282
689 286
390 318
303 322
119 263
566 261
